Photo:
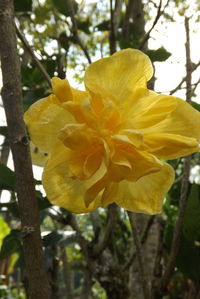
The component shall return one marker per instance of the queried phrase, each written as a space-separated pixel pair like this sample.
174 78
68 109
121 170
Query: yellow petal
170 146
44 120
78 137
116 77
131 164
38 156
133 137
66 191
184 121
146 108
61 89
147 194
109 194
95 190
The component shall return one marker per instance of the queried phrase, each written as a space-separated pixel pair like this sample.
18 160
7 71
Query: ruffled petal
147 194
67 191
131 164
184 121
116 77
61 89
44 120
86 152
170 146
146 108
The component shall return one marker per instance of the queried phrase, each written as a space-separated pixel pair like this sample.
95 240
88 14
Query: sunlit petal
103 144
148 109
64 189
184 121
61 89
147 194
38 156
117 76
170 146
44 120
131 164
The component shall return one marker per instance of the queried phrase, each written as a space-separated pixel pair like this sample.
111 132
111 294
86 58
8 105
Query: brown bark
67 274
111 277
11 95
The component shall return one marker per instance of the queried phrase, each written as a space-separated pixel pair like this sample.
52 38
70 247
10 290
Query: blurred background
93 255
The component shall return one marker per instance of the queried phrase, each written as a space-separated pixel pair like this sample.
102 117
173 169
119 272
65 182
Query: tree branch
185 181
129 12
193 68
11 95
143 240
188 63
143 275
66 273
111 221
178 228
70 220
116 16
158 15
195 85
75 31
30 50
157 269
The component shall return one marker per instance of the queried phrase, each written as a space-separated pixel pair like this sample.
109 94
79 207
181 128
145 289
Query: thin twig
128 13
143 275
194 67
158 15
114 23
111 221
195 85
188 63
143 240
30 50
116 16
70 220
75 31
178 228
176 241
66 273
112 40
157 269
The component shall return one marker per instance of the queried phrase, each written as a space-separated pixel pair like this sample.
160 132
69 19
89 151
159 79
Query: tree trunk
11 94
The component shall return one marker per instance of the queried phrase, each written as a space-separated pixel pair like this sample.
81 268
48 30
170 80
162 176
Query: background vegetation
98 255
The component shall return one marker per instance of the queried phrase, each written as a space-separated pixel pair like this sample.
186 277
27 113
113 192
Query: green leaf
160 54
58 237
11 243
12 208
4 229
50 66
43 203
188 259
7 178
191 223
63 7
196 105
84 25
64 40
3 130
23 5
52 238
103 26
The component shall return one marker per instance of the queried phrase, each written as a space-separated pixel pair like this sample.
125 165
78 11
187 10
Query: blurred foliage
48 27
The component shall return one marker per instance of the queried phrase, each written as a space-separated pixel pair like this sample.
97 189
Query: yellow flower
105 143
